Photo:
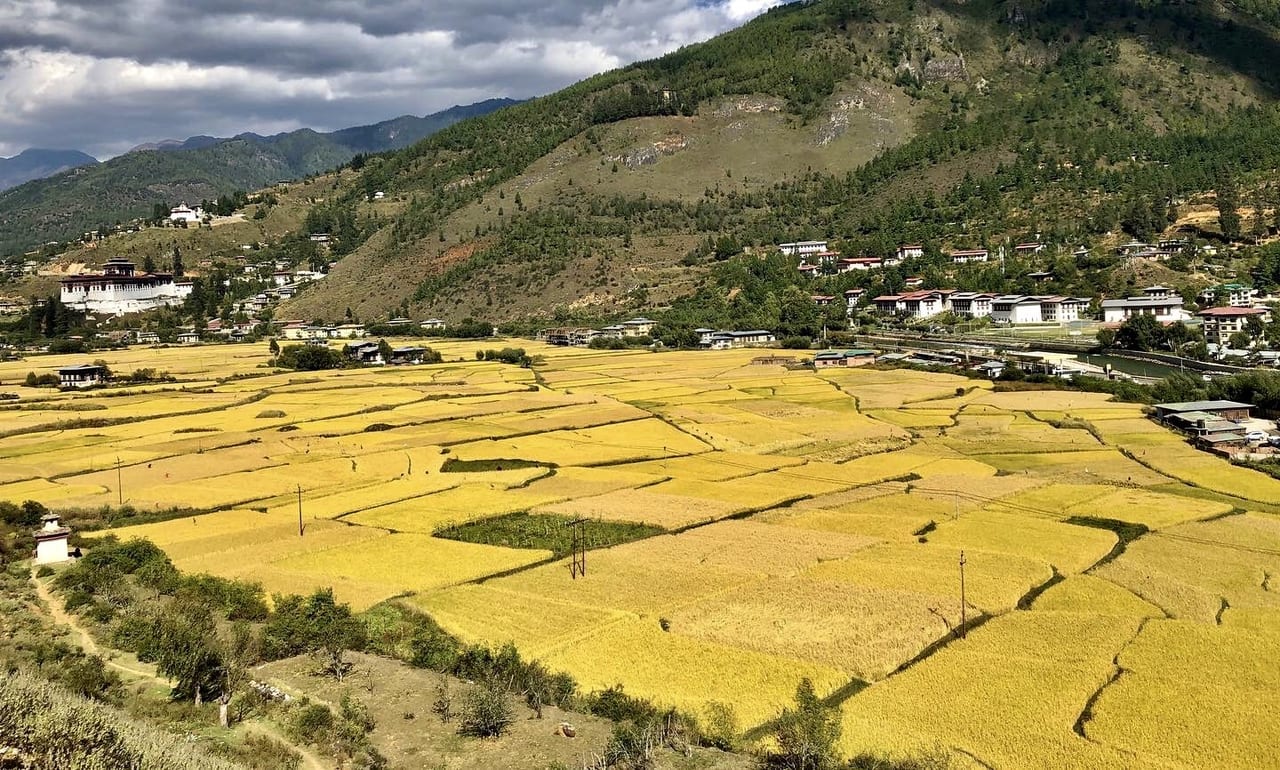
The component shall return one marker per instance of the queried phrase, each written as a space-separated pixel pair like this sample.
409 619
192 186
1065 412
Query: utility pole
119 484
300 527
579 564
963 631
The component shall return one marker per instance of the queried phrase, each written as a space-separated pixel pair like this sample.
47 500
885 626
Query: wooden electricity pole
119 484
579 565
963 631
300 527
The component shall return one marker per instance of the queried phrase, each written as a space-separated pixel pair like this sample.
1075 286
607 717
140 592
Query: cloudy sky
105 75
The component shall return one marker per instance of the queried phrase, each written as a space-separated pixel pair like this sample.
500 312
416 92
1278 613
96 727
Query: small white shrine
51 541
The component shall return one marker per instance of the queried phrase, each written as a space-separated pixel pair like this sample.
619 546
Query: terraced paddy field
1122 590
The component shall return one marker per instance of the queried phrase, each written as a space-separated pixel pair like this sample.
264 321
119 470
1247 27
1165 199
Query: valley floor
1119 607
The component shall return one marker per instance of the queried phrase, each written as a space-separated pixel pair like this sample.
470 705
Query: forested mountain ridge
37 164
868 122
63 206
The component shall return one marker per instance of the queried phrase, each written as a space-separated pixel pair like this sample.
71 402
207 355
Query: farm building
364 352
1226 410
82 376
408 355
829 358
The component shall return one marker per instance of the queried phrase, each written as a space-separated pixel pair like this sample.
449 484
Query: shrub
807 736
442 706
721 729
486 713
41 380
44 571
312 723
615 705
260 752
309 358
267 414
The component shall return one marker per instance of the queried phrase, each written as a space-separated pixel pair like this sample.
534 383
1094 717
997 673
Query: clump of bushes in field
344 734
513 356
150 375
310 358
41 380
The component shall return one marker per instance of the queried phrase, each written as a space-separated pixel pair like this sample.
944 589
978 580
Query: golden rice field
814 527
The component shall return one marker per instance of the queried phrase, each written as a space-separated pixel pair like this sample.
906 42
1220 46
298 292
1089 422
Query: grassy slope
729 145
195 244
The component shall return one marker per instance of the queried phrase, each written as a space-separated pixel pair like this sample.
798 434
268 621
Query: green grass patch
1126 531
454 465
546 532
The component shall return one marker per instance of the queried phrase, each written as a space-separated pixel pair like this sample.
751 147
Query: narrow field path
310 759
56 610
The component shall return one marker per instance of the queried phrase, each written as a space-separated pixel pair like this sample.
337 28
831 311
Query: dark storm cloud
103 75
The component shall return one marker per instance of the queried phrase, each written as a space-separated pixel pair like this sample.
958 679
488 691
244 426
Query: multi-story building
1158 301
1222 322
724 340
966 256
802 248
1229 295
1008 308
918 304
971 304
1034 309
118 290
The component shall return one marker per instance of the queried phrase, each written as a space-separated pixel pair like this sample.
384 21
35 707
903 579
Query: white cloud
104 75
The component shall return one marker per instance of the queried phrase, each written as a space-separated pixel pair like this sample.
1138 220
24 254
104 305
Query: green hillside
869 122
63 206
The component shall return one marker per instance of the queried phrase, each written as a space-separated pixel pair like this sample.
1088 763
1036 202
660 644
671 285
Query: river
1129 366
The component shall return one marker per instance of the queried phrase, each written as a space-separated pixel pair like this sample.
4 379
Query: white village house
965 256
802 248
1158 301
118 290
82 376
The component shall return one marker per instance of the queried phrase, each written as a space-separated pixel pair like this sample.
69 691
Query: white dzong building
118 290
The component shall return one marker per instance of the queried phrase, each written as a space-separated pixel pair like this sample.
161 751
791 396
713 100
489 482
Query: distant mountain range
65 193
38 164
